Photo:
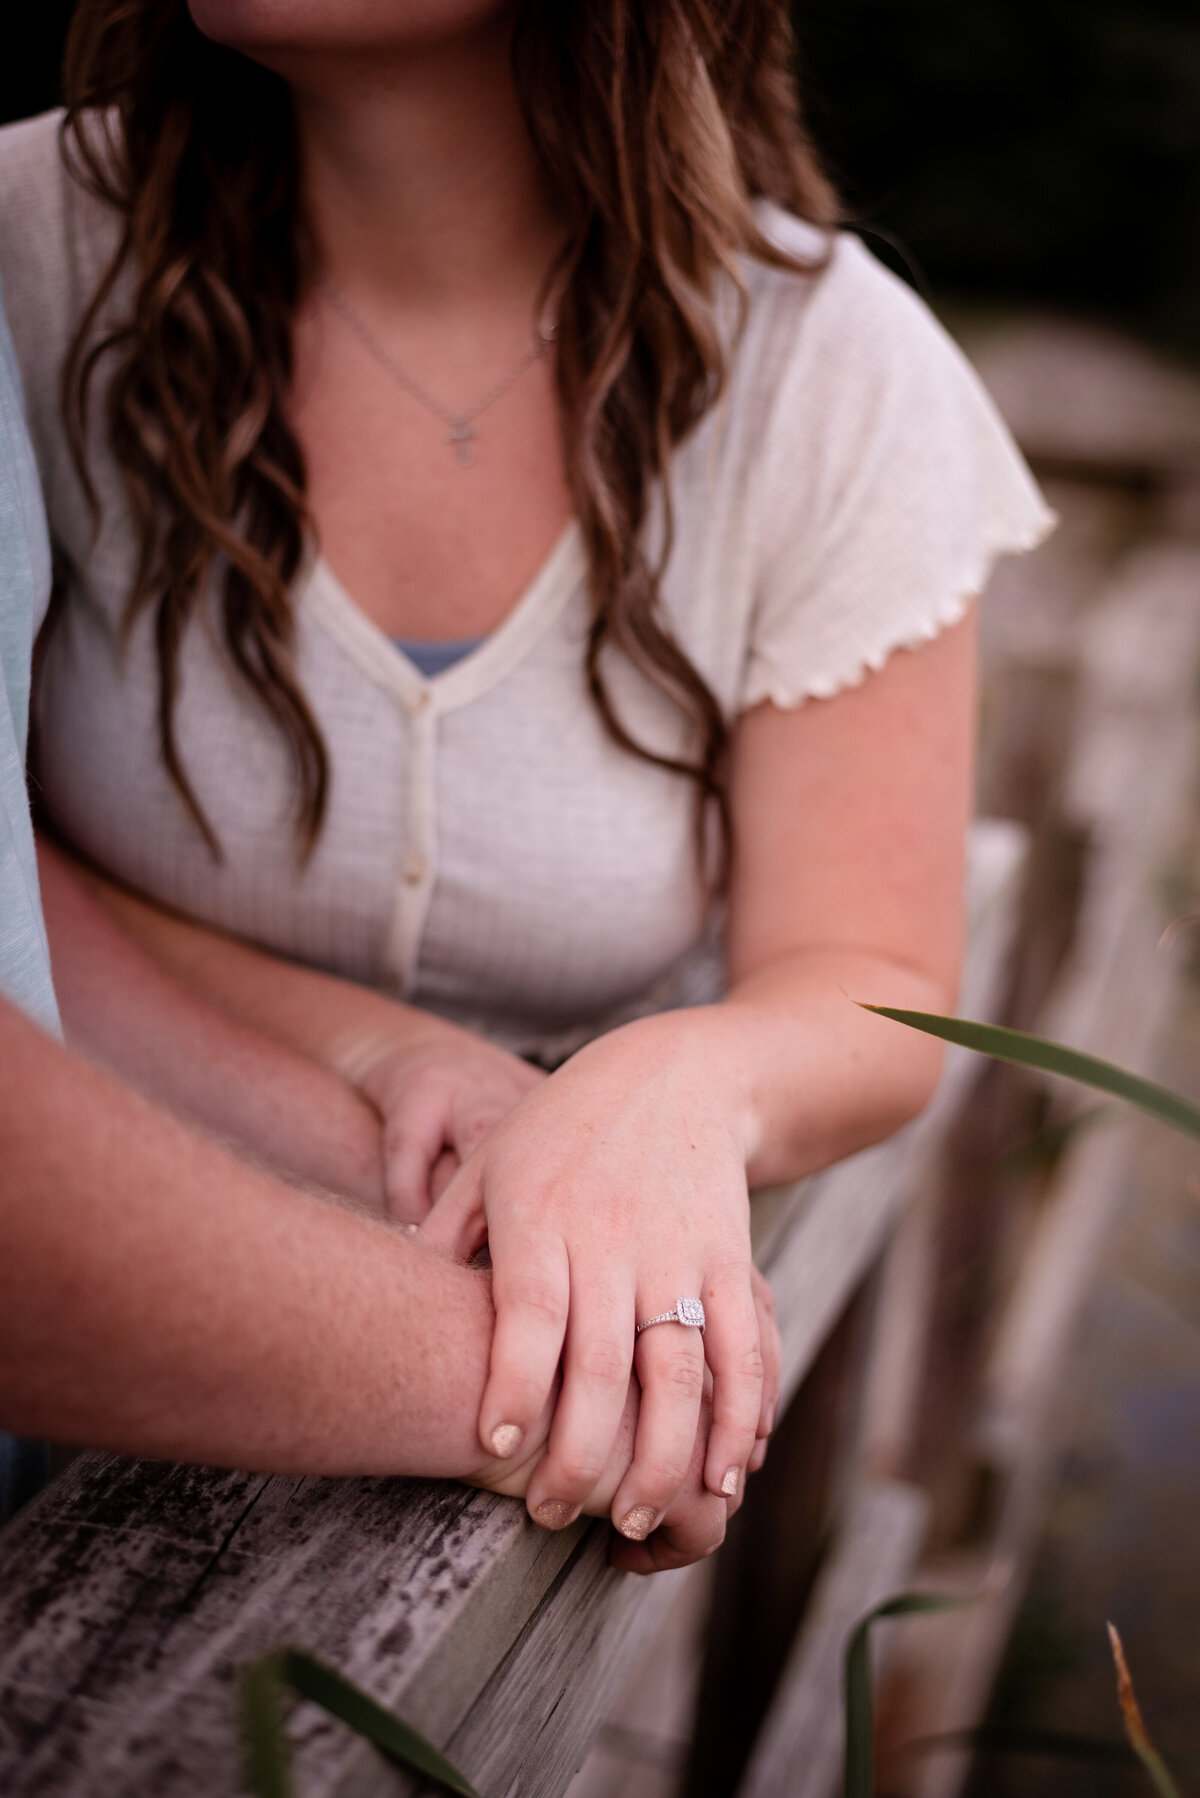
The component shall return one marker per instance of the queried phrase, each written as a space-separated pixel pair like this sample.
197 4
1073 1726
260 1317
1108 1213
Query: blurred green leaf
266 1752
1054 1058
266 1755
1047 1147
860 1722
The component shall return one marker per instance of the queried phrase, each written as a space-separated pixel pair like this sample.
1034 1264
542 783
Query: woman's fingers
457 1223
732 1345
442 1172
669 1360
595 1388
772 1355
531 1293
414 1135
692 1528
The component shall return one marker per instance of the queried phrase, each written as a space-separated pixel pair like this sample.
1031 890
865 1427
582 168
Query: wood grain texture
799 1749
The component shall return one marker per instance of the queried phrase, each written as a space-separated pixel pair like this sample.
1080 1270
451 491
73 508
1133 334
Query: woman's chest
435 504
498 859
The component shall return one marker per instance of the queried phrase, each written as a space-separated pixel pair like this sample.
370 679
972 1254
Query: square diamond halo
690 1311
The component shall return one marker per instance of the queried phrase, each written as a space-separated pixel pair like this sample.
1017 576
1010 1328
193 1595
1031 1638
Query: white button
414 870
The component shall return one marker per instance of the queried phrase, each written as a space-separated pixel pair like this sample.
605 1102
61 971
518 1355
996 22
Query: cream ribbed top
488 852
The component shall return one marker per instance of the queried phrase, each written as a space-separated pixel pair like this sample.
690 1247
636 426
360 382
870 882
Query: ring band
687 1311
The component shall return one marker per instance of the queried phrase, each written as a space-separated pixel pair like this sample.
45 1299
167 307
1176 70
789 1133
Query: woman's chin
258 27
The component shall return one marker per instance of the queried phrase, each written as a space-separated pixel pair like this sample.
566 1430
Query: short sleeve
888 486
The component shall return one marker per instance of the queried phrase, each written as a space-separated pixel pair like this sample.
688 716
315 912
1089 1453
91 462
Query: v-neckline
380 657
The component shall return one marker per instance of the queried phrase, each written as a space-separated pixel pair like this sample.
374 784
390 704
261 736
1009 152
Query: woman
514 337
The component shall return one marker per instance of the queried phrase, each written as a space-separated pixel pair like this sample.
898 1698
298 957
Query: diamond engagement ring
687 1311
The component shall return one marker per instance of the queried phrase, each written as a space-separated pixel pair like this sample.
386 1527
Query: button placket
415 886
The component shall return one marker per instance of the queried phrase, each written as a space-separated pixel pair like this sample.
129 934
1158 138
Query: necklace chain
460 426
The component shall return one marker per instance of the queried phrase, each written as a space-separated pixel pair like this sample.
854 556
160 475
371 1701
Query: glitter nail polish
506 1440
554 1514
638 1523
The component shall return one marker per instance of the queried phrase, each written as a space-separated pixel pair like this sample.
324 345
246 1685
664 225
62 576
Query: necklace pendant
460 434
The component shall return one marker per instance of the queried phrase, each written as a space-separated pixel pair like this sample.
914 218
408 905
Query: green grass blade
320 1684
860 1722
266 1754
1027 1051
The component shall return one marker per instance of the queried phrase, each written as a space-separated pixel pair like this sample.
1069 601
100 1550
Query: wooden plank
799 1749
1086 397
643 1743
128 1599
946 1671
1131 782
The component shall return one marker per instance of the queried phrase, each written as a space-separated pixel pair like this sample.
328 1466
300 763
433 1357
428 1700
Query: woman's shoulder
841 310
56 238
50 221
33 194
884 481
30 150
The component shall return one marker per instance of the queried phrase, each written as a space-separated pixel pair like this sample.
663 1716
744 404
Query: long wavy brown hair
659 122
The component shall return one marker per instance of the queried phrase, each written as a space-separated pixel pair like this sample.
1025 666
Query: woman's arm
622 1182
438 1089
120 1007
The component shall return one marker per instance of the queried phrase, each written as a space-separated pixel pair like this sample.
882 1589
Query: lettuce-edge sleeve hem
841 672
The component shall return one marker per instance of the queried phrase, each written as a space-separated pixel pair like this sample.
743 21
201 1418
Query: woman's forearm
343 1026
434 1090
799 1072
826 1078
122 1007
159 1297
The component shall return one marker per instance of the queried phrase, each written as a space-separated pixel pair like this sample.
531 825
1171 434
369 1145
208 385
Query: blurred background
1034 169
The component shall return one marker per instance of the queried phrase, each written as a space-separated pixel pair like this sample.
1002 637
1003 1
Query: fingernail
506 1440
729 1484
409 1229
554 1514
638 1523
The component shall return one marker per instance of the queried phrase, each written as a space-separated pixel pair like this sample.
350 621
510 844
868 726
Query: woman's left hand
612 1189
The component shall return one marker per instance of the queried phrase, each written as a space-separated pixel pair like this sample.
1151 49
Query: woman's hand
612 1189
693 1525
439 1090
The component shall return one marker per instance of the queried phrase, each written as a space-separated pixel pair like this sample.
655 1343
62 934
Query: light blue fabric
434 658
24 956
24 596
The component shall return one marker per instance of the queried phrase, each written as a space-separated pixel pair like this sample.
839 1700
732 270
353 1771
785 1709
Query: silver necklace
460 426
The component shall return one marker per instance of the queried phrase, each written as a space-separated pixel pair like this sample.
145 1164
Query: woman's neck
422 186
